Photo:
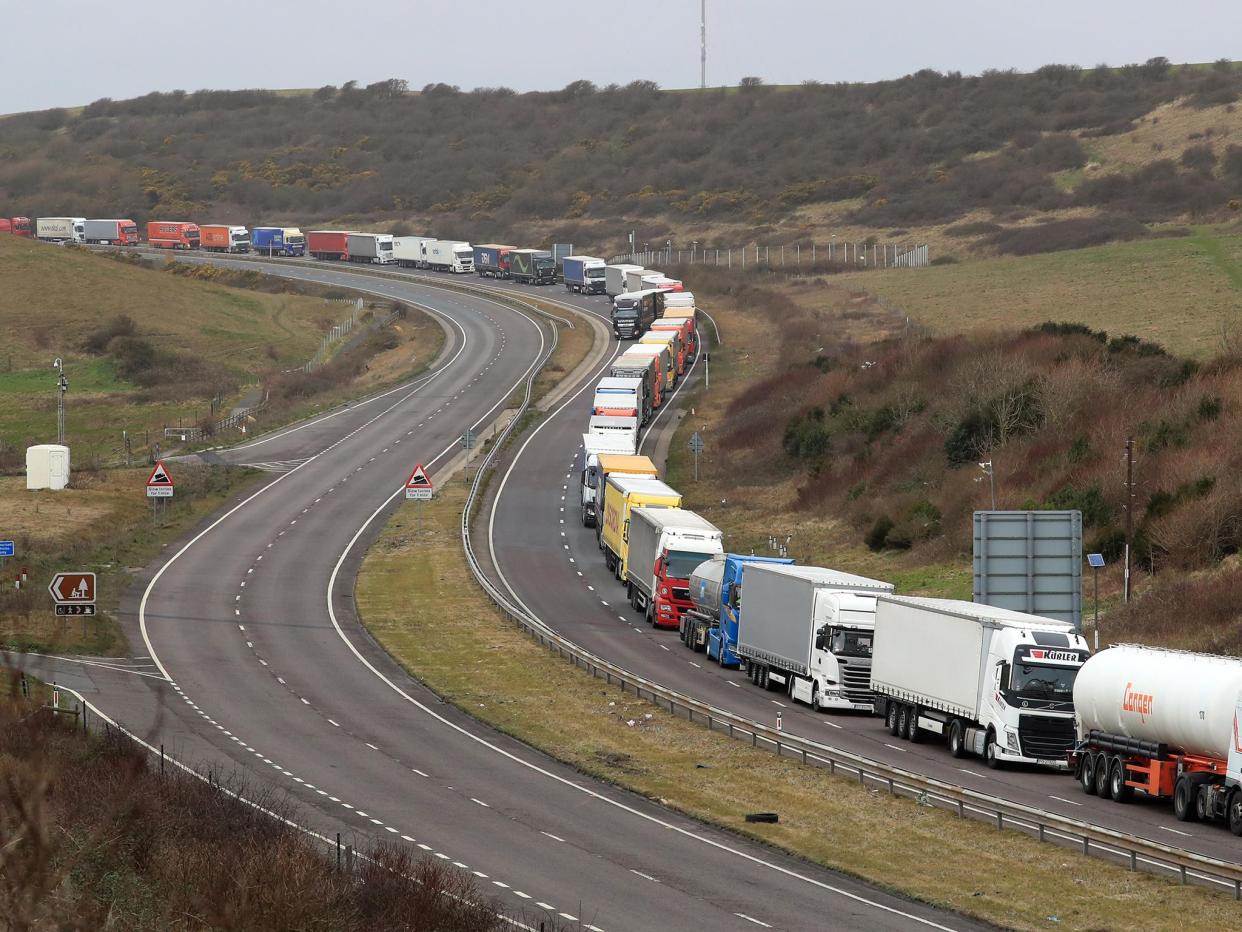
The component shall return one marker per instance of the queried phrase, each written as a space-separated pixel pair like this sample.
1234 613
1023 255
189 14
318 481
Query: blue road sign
1095 559
6 548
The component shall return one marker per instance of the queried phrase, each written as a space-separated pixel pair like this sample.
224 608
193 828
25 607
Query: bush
1096 512
806 436
120 326
1075 233
877 538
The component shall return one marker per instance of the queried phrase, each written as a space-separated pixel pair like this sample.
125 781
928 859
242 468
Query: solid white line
553 837
752 919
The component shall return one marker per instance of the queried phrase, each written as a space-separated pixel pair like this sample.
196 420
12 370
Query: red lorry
18 226
173 234
328 244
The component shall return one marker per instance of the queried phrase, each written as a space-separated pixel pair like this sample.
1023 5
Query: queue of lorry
1005 686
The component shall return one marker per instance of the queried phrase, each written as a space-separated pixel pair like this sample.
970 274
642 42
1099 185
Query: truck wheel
1203 803
1102 773
890 718
913 733
1086 773
991 755
1118 789
1235 812
903 720
957 746
1184 794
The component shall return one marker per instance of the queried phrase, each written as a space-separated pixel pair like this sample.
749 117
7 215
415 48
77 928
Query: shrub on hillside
1074 233
122 325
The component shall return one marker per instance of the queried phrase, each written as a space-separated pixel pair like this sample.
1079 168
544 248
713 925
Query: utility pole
1129 512
703 44
62 386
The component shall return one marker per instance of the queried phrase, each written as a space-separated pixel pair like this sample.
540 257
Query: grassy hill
1140 143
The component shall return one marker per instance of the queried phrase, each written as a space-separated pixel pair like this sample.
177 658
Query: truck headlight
1011 739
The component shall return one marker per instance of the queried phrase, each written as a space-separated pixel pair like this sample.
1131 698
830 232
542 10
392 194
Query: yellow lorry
622 494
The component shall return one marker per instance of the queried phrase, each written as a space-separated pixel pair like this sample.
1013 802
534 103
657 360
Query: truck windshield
849 642
295 240
1033 681
464 254
544 264
681 563
594 273
625 313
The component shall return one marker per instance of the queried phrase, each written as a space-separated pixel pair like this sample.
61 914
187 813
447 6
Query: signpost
7 549
1096 561
419 488
73 593
159 486
696 447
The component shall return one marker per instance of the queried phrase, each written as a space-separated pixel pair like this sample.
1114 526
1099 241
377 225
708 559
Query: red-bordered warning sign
419 486
160 482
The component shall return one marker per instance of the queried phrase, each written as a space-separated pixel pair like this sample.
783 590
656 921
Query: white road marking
894 747
826 722
1176 831
480 802
781 704
1061 800
752 919
419 772
644 876
553 837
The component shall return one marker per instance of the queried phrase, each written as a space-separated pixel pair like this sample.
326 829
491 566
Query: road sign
160 483
419 486
7 549
74 593
467 439
696 442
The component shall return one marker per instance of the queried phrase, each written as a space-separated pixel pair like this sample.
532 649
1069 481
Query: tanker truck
710 624
1165 722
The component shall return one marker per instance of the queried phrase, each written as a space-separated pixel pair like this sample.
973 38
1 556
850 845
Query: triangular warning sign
419 479
160 476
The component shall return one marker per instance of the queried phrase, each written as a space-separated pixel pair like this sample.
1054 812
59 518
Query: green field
1181 292
54 298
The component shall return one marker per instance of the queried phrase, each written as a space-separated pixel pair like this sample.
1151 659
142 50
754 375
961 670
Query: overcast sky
76 51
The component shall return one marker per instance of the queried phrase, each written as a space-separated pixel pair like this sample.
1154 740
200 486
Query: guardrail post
1041 836
1182 871
1134 860
1237 890
1086 845
1000 820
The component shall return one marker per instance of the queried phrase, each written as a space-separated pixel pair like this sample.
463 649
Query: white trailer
614 278
61 229
808 631
604 425
592 480
411 251
989 681
634 277
445 255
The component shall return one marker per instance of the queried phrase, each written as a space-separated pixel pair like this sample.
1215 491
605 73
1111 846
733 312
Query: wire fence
834 255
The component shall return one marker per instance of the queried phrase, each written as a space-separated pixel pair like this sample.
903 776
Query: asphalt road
270 677
552 564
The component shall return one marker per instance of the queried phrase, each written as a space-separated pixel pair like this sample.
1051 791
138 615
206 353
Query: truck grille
1045 738
681 593
856 681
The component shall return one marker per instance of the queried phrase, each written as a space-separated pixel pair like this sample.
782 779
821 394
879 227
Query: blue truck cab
715 591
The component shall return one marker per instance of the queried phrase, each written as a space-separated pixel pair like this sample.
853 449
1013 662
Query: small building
47 466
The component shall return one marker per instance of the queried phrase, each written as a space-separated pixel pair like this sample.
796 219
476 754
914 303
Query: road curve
269 675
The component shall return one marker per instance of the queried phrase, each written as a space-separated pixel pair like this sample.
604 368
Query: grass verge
417 596
103 524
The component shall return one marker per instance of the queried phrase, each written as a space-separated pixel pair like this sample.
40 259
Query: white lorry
808 630
666 545
634 277
989 681
443 255
61 229
376 248
607 425
618 396
604 453
614 278
410 252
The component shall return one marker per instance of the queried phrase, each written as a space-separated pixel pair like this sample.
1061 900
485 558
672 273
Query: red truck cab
165 234
18 226
671 596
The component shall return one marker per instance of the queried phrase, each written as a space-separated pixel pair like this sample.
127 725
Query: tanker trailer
1165 722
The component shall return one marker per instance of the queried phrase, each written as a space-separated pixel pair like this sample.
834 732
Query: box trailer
584 274
987 680
111 232
445 255
670 337
216 237
61 229
664 354
622 494
532 267
173 234
646 367
620 396
623 428
665 546
605 455
374 248
332 245
614 278
278 241
492 260
808 631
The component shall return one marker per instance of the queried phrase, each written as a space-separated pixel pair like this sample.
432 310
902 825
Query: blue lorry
278 241
715 590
